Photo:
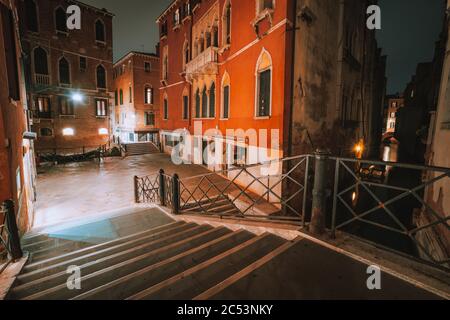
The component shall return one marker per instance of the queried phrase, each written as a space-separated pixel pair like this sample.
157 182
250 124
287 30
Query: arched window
121 97
225 113
204 103
186 55
31 15
215 36
212 101
197 103
226 22
165 63
208 39
64 71
148 95
264 85
101 77
100 31
60 20
185 102
166 108
40 61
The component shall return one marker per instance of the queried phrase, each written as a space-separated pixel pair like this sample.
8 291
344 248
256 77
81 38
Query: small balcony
42 114
203 64
42 79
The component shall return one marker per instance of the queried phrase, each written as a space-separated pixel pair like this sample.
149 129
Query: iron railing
9 233
384 203
389 205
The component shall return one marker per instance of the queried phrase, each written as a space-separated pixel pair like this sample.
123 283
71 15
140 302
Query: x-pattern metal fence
376 207
381 208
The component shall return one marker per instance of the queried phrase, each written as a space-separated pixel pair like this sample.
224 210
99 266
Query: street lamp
77 97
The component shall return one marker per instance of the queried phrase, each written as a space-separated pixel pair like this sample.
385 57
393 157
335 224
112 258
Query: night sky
409 30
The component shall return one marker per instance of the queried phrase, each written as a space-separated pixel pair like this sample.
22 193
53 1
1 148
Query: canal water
395 216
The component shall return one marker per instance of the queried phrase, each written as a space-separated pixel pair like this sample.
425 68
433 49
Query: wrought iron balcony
204 63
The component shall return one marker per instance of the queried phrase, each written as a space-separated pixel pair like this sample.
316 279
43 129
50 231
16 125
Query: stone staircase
141 148
148 255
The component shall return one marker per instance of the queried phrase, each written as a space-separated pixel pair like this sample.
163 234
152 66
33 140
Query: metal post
335 195
318 215
162 188
305 192
13 232
136 189
176 194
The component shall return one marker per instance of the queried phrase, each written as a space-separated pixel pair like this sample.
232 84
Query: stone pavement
83 190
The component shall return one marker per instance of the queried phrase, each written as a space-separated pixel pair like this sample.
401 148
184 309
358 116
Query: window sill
224 48
266 13
62 33
176 27
224 119
164 37
188 17
262 118
101 117
100 43
445 125
67 116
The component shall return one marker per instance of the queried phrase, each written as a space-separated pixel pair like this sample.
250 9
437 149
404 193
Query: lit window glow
77 97
102 131
68 132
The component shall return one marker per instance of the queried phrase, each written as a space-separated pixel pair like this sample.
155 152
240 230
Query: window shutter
226 101
264 93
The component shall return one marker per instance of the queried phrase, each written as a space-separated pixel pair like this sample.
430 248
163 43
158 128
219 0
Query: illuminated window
103 131
68 132
101 108
65 106
148 95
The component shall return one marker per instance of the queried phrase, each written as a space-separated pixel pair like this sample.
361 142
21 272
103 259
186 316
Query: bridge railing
388 204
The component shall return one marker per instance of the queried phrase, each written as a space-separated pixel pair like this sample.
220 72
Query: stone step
246 272
30 239
111 273
50 252
192 282
153 274
96 263
45 244
102 249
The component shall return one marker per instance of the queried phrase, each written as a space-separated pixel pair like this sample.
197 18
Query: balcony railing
204 63
42 79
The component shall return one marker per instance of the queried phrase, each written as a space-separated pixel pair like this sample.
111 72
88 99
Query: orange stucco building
224 66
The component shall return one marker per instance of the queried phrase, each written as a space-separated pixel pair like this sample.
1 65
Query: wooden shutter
264 93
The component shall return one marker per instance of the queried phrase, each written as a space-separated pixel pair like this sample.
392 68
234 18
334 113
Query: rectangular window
130 94
10 52
101 109
83 64
240 156
185 107
65 106
166 109
149 119
116 98
264 94
147 66
43 107
226 102
148 95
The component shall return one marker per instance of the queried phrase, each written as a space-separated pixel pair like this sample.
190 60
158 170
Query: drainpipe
294 36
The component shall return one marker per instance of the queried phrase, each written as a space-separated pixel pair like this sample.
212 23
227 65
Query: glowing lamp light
353 196
102 131
68 132
77 97
359 149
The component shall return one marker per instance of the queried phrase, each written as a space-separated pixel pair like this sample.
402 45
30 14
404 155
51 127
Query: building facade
69 74
17 170
393 105
339 80
223 73
437 240
136 98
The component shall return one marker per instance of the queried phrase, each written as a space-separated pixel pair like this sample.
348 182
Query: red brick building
223 65
69 74
17 171
136 98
